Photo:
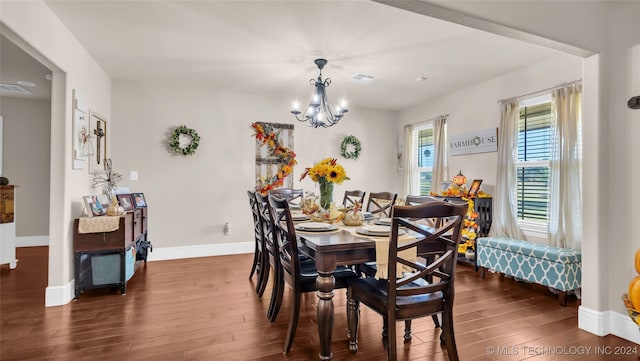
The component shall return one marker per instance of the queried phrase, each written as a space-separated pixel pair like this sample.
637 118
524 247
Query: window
422 159
532 165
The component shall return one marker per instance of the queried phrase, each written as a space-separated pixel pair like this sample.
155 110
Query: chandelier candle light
320 113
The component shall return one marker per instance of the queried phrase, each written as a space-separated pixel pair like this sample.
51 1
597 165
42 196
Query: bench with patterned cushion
557 268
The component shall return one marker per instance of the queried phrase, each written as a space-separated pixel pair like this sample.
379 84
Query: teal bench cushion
559 268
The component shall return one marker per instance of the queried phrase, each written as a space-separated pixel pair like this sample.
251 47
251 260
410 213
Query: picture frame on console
126 201
475 187
139 201
93 206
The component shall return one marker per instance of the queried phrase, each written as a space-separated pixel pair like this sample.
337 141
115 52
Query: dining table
329 250
341 245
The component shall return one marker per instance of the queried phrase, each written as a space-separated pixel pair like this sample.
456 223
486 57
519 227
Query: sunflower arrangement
327 170
326 173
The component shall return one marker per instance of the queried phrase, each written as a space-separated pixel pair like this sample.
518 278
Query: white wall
27 129
191 197
477 108
610 29
33 27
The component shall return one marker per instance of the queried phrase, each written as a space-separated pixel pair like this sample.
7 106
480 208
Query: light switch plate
133 175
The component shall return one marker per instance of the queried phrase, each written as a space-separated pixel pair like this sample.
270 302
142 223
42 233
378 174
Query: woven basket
633 313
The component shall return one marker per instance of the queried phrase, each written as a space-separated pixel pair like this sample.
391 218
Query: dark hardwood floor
207 309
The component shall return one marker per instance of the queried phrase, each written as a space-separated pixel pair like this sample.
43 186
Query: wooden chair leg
436 321
293 322
353 321
276 295
407 330
385 328
256 258
449 336
263 278
391 340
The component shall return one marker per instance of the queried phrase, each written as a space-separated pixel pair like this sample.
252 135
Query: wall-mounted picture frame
139 201
98 132
126 201
475 187
445 185
82 147
93 206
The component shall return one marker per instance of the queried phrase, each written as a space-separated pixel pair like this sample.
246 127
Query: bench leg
482 271
562 298
501 276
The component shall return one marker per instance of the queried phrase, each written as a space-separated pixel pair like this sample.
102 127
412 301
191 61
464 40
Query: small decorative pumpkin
459 179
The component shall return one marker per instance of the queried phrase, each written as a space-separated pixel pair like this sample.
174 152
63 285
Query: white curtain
438 173
407 161
565 204
504 222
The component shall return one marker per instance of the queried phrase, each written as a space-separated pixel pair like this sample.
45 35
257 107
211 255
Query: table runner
98 224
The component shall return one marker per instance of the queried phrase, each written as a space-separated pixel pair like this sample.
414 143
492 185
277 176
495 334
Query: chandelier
320 113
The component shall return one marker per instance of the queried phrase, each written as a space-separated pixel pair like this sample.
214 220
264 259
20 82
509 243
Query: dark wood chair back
260 256
271 255
285 239
423 289
380 203
351 197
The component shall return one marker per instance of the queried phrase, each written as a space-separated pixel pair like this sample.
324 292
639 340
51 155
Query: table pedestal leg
325 284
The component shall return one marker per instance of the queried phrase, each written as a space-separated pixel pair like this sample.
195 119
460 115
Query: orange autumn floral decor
265 135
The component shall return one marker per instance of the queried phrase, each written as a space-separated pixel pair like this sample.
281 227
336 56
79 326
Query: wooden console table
108 259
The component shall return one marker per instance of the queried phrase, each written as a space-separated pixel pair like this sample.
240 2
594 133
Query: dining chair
260 257
412 200
299 276
294 196
351 197
380 203
272 263
412 296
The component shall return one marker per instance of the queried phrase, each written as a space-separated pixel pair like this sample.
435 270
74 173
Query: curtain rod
572 82
428 120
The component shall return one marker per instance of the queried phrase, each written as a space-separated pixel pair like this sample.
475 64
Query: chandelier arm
320 113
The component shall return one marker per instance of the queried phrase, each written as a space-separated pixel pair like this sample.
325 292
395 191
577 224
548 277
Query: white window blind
532 165
423 159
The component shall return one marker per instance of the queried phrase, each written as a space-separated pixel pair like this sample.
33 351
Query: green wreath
350 147
174 141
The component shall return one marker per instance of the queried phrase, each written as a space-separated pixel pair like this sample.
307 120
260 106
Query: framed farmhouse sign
479 141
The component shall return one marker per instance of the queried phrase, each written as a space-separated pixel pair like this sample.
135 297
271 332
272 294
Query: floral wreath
265 135
189 149
352 141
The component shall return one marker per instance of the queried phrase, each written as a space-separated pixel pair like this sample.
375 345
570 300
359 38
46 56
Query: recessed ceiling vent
13 89
363 78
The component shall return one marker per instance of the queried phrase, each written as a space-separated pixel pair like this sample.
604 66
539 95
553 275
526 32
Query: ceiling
18 67
268 47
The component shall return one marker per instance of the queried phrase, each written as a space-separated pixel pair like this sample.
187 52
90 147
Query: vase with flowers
326 173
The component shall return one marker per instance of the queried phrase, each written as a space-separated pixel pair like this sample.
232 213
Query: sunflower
327 170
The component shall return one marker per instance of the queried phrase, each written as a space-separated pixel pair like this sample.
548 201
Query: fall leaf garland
266 136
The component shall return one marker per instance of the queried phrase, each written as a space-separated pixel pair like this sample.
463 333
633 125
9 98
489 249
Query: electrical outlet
227 229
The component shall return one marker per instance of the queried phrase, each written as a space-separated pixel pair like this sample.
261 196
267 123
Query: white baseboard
622 326
60 295
169 253
32 241
602 323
